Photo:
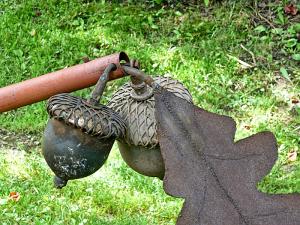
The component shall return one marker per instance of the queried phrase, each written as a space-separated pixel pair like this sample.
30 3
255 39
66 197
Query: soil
18 141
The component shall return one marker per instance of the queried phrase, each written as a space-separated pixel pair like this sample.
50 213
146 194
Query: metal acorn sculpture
80 133
135 103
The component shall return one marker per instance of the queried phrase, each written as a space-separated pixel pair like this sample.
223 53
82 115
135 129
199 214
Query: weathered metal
65 80
80 133
135 103
100 86
166 136
217 177
71 153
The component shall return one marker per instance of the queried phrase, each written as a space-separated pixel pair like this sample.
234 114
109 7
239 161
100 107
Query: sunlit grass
113 195
192 45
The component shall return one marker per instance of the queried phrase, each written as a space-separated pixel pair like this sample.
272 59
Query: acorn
135 103
80 133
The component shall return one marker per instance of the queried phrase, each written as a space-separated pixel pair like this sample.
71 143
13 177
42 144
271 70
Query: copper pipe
65 80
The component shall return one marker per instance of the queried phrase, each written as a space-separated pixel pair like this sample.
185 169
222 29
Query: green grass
193 45
113 195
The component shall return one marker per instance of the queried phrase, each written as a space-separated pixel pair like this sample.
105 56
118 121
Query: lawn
236 58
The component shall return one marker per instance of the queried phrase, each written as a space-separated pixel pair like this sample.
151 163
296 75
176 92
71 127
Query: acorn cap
96 120
138 110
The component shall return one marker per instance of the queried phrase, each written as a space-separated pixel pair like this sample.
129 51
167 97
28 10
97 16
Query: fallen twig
251 53
266 20
243 64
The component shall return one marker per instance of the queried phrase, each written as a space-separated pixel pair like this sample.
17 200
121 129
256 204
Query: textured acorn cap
138 113
98 120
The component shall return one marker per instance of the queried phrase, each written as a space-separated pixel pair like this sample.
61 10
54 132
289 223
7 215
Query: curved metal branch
100 86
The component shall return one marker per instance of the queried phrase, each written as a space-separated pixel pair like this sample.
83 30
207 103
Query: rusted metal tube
65 80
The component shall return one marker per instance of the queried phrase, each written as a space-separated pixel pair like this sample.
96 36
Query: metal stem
100 86
138 74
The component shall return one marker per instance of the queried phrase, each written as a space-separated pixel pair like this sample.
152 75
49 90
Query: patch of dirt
18 141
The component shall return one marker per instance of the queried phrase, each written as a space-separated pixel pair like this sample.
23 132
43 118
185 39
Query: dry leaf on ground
14 196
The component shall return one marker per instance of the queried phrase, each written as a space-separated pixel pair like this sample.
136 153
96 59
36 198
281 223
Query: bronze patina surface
80 133
135 103
216 176
71 153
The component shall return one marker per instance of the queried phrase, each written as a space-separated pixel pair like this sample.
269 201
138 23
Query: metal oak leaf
217 177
